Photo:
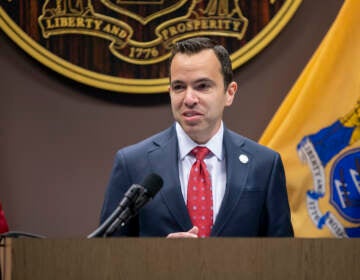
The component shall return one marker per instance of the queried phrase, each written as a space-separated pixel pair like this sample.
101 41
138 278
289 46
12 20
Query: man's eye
177 88
203 86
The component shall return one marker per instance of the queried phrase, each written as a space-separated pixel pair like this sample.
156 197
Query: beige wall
58 138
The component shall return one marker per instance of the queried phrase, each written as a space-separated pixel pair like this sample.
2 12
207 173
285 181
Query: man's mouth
191 116
191 113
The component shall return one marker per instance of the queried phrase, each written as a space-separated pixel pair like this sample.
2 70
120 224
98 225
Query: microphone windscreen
152 183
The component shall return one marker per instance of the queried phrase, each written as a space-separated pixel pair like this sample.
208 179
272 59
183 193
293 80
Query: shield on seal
144 11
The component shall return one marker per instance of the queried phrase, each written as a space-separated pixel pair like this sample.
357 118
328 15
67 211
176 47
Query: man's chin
190 127
193 131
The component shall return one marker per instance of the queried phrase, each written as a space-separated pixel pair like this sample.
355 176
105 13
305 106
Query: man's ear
230 93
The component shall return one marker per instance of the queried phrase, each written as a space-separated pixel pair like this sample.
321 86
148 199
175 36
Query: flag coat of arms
317 132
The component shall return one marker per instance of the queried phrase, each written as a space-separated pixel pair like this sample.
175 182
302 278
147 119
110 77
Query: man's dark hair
196 45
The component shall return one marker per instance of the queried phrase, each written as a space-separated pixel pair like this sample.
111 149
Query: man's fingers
192 233
194 230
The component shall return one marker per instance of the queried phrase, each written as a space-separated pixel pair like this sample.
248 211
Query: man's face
197 94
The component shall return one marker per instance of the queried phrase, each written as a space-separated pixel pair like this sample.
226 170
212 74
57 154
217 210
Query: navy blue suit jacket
255 202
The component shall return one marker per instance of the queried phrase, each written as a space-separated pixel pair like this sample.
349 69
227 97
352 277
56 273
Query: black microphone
135 197
152 184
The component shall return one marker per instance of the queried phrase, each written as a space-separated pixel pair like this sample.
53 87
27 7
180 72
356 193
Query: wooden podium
159 258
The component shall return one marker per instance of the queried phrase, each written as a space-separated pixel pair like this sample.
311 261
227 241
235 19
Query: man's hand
192 233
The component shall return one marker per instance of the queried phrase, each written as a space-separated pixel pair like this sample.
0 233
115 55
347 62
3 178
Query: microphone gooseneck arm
129 198
135 198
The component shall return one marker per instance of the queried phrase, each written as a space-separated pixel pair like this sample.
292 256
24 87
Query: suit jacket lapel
237 172
164 160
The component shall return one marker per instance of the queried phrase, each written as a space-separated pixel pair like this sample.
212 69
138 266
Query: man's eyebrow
176 82
204 80
201 80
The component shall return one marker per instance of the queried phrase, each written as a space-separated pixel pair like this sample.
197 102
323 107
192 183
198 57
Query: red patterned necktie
199 194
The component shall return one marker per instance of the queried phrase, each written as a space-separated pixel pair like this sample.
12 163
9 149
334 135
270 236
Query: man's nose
191 97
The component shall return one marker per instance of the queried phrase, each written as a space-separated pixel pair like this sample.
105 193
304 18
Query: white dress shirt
215 162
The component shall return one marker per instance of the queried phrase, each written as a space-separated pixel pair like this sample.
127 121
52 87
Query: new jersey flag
317 132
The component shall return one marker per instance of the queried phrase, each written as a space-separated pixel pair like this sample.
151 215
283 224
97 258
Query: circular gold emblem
123 45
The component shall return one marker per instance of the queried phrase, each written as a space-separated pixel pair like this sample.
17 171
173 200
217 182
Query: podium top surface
159 258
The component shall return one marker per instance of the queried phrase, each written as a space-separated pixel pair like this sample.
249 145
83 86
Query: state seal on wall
123 45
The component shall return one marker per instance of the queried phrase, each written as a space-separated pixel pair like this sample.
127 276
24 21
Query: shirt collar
186 144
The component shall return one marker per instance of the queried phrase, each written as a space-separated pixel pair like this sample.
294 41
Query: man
242 183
